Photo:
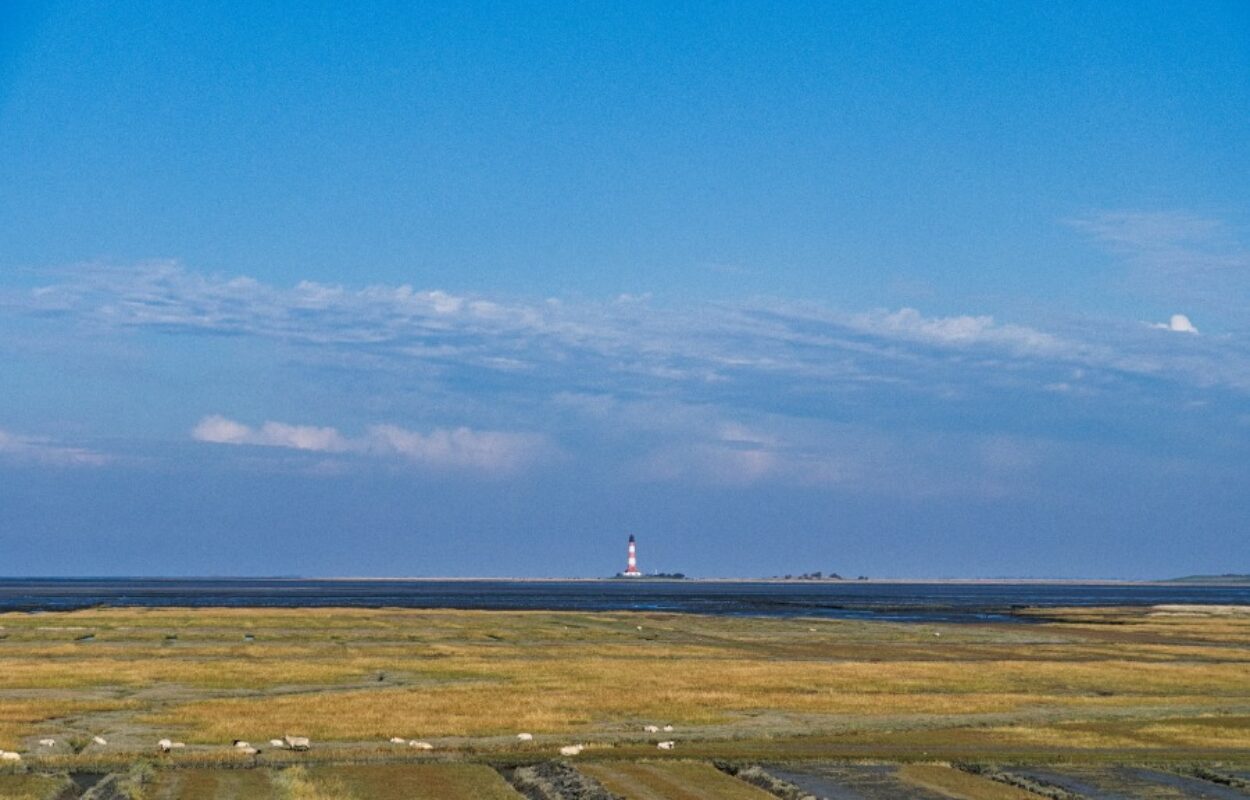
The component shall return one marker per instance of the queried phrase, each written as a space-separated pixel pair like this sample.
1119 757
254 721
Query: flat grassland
1162 683
673 780
340 782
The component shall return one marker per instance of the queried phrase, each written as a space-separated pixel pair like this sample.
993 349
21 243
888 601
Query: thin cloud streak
1177 254
46 452
673 442
615 342
461 448
217 429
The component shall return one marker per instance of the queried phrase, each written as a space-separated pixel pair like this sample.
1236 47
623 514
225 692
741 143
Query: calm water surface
848 600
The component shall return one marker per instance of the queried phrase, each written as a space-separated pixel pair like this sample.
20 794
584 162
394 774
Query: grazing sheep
668 728
572 749
669 745
421 745
99 740
297 742
652 729
6 755
239 743
277 743
525 737
47 742
165 745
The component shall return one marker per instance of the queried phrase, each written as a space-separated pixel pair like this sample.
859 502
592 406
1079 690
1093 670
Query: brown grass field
1094 684
414 782
344 782
673 780
32 787
955 783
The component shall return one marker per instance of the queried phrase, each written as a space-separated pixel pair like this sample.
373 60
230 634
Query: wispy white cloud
752 393
44 451
856 458
433 322
220 430
1177 253
908 323
674 442
462 448
1157 231
637 340
718 464
459 448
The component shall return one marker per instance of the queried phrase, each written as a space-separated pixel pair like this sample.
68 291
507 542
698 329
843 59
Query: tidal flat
1165 686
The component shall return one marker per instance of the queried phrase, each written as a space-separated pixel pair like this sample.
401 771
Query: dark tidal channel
907 602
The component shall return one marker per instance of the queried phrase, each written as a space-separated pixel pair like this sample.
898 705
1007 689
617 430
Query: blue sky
898 289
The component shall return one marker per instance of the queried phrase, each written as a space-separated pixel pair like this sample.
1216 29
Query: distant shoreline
818 582
1196 581
968 600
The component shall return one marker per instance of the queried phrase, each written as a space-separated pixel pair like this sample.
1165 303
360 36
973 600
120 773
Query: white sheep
6 755
572 749
297 742
398 740
242 745
525 737
99 740
47 742
668 728
669 745
652 729
421 745
277 743
165 745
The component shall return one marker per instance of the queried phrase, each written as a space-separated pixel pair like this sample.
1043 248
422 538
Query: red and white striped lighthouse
631 566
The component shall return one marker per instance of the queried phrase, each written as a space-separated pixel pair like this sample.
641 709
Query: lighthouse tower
631 566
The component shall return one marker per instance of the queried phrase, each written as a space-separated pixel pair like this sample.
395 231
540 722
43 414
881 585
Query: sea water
934 602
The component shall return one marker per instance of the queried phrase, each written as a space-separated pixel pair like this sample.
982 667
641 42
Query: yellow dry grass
419 781
1227 732
958 784
294 783
1220 732
362 674
32 787
20 718
211 784
674 780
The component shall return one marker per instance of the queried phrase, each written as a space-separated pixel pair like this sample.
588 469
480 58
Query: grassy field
211 784
1170 682
675 780
415 782
377 782
32 787
953 782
